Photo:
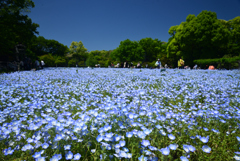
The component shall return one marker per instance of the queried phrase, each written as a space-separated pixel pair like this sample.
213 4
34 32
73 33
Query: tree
60 61
91 61
78 51
15 27
150 49
102 57
128 51
234 43
202 36
48 60
41 46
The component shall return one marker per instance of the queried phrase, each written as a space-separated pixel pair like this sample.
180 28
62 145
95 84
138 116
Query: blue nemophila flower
129 134
69 155
58 137
237 152
141 134
56 157
125 149
27 147
191 148
238 138
206 129
107 127
77 156
236 157
38 137
45 145
147 131
165 151
152 148
142 158
99 138
130 115
163 132
147 152
171 136
122 154
122 143
40 159
93 150
37 155
117 150
186 148
158 126
67 147
129 155
173 146
216 131
109 135
8 151
204 139
17 147
117 137
192 137
206 149
117 146
183 158
30 140
145 143
107 139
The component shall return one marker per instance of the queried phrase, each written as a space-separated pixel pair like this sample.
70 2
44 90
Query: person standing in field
180 63
42 64
158 64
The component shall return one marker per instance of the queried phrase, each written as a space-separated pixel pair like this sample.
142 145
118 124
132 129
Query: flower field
120 114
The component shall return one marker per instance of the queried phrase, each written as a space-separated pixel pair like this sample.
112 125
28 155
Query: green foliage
128 51
103 57
202 36
72 63
207 61
221 61
144 50
48 60
81 64
42 46
60 61
234 28
78 51
15 27
91 61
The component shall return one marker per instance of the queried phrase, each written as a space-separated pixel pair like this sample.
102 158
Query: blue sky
102 24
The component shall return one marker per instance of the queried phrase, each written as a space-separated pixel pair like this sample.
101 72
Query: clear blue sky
102 24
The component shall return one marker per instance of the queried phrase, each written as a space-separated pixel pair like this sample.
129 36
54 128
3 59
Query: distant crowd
158 65
27 64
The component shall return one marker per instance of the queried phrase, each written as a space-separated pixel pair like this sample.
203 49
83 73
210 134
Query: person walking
37 64
138 65
181 63
158 64
42 64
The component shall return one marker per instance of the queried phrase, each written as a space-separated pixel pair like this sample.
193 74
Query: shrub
60 61
48 60
91 61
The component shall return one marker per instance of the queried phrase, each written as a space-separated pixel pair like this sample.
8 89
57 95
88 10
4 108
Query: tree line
199 39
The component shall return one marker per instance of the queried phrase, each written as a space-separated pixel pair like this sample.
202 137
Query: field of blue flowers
120 114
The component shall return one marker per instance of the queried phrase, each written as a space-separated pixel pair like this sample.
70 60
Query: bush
48 60
60 61
81 64
152 64
72 63
91 61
